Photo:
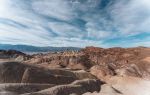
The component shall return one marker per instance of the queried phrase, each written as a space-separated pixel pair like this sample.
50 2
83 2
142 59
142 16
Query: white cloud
95 31
55 8
57 22
75 42
131 17
66 30
29 36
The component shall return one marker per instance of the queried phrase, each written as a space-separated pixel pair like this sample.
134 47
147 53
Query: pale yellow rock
130 85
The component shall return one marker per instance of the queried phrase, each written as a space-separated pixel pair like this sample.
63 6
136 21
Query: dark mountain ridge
27 48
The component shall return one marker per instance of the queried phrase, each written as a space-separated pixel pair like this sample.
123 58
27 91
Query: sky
77 23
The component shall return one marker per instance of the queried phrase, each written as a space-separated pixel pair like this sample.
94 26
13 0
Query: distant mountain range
27 48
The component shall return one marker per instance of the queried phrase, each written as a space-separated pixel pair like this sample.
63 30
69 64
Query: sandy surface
131 85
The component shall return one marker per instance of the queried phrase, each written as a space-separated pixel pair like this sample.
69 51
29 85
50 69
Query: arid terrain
89 71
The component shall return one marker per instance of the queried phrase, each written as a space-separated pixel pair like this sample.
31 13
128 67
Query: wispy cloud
74 22
59 9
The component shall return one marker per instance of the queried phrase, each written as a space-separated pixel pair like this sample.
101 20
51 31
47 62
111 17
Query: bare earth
91 71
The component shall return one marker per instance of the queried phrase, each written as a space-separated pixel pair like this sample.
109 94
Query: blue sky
79 23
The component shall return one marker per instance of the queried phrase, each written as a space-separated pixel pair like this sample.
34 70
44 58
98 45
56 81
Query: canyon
89 71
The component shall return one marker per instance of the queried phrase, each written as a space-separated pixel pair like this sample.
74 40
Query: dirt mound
11 72
20 88
14 72
78 87
38 76
102 72
21 78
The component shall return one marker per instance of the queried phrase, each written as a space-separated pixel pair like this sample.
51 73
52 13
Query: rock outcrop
91 71
21 88
19 78
129 61
78 87
130 85
14 55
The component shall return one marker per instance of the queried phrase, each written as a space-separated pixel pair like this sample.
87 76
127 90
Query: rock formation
90 71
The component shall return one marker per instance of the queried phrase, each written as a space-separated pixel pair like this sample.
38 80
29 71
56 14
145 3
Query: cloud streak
74 22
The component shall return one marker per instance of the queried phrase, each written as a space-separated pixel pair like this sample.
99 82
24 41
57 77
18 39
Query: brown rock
101 72
39 76
11 72
78 87
20 88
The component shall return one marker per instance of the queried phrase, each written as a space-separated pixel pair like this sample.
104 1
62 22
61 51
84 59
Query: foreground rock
106 89
78 88
20 88
102 72
11 72
130 85
18 78
124 86
123 72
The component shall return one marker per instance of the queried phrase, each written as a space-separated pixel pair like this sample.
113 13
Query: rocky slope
13 55
113 61
91 71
